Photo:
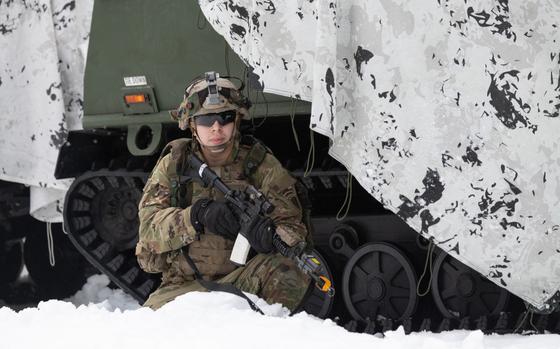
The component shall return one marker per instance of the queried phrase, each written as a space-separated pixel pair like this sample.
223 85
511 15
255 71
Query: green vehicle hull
168 43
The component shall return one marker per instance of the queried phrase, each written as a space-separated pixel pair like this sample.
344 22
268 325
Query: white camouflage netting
43 48
446 111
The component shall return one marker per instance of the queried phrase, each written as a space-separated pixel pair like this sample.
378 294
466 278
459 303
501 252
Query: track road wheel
114 211
459 291
68 273
11 261
379 280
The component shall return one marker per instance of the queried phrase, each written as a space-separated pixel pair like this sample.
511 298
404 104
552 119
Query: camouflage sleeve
162 228
279 187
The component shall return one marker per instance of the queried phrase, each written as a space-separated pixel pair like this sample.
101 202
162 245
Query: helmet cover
199 99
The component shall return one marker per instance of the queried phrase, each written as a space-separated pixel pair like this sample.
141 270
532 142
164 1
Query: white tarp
446 111
43 48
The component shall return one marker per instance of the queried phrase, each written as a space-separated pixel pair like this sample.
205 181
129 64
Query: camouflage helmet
210 95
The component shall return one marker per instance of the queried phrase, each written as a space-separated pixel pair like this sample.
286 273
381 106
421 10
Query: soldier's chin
217 148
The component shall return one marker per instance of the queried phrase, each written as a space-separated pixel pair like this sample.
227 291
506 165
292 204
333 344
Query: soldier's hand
216 216
260 235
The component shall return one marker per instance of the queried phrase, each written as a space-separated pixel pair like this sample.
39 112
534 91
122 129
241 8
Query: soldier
176 217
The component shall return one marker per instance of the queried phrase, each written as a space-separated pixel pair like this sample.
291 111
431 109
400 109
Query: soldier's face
215 135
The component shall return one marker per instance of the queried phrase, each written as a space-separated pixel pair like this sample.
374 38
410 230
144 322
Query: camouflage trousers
273 278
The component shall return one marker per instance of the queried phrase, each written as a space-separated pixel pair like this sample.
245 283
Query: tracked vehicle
141 55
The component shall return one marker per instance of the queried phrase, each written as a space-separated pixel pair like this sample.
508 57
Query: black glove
216 216
260 235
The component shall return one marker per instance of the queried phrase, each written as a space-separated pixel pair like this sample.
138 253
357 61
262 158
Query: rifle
251 205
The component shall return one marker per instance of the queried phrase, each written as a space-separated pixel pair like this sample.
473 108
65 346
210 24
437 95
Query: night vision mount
212 81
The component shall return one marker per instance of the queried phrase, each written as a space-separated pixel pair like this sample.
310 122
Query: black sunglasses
209 119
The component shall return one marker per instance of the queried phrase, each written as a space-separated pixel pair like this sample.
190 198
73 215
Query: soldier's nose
215 126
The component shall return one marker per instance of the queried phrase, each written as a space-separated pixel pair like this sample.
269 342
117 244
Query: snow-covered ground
99 317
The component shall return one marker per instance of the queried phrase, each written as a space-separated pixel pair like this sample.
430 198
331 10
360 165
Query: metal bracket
143 140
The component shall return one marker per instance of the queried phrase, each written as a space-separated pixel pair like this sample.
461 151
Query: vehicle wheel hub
466 285
376 289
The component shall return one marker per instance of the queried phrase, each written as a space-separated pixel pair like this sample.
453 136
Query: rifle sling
215 286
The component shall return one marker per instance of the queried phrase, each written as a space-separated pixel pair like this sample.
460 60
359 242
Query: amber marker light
135 99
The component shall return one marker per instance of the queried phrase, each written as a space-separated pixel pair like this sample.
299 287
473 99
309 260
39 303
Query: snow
100 317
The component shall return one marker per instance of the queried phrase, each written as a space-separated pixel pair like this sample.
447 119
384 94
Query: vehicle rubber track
106 200
505 323
100 217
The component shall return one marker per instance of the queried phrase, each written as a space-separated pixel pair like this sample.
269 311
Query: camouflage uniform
165 230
